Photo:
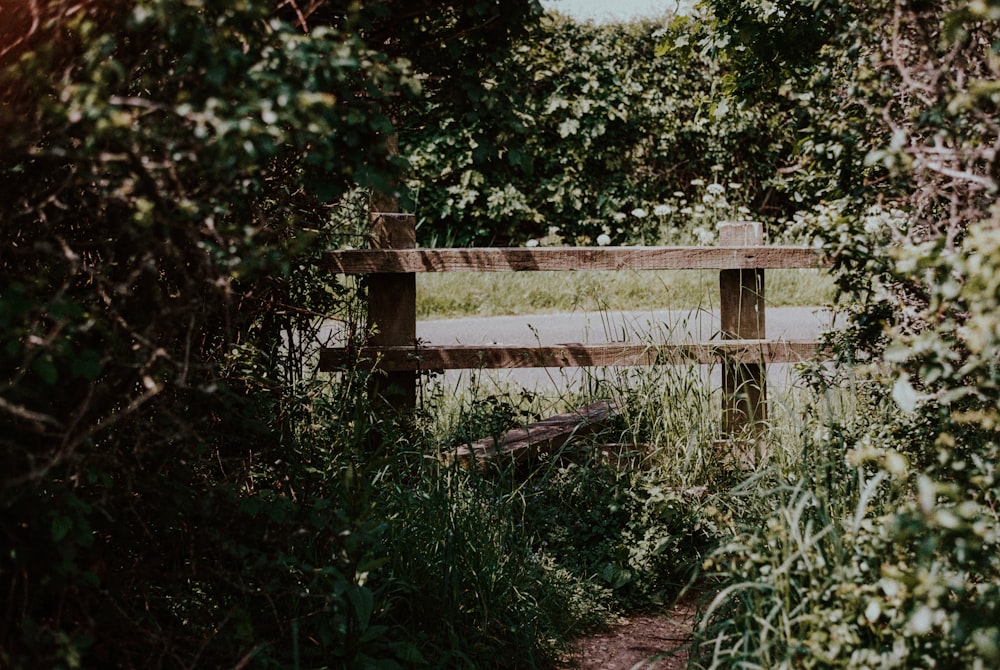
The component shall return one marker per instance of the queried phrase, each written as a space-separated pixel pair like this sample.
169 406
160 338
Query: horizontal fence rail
496 357
517 259
744 350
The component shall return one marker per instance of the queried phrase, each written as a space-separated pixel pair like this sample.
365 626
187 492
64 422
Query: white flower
743 210
716 189
678 194
921 621
704 236
662 210
687 211
603 240
639 213
734 186
618 216
697 182
708 198
890 587
531 243
699 208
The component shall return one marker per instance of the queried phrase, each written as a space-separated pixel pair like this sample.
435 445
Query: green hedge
582 125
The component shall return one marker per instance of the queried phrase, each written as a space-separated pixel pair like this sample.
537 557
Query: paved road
789 323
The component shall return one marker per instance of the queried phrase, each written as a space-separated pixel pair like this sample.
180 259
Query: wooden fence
744 351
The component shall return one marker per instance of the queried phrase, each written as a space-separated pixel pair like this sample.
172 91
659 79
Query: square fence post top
741 233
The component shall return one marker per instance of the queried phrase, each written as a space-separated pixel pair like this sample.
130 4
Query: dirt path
646 642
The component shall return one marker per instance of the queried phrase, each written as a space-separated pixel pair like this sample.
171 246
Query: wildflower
662 210
531 243
733 186
687 211
700 209
708 198
697 182
922 620
704 235
716 189
639 213
678 194
603 240
618 216
743 210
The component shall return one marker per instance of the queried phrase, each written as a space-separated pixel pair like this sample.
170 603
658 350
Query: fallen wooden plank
542 437
519 259
492 357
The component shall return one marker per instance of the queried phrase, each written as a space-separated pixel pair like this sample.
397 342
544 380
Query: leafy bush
581 126
899 569
631 533
176 488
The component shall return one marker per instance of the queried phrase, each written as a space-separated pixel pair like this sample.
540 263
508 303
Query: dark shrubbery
176 490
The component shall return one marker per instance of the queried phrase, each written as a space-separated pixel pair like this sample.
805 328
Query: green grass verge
457 294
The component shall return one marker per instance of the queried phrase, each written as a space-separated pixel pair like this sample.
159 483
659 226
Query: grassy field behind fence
449 295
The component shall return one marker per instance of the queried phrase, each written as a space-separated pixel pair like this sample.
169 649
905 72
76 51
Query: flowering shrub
590 130
689 215
685 217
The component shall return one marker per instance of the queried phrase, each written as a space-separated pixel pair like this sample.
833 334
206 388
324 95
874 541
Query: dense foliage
886 558
177 489
581 126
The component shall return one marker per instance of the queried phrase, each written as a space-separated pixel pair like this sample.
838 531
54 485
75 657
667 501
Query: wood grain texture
390 230
517 259
492 357
392 309
545 436
743 316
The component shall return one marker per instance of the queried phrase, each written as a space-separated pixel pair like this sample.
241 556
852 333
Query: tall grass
502 567
802 578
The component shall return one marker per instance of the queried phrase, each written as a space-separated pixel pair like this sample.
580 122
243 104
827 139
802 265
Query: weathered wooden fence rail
740 257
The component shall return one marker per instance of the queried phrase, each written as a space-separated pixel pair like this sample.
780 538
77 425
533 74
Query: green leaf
408 652
45 368
87 365
363 603
61 526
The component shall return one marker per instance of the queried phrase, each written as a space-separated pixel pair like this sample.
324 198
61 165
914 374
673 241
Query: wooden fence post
392 308
744 385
